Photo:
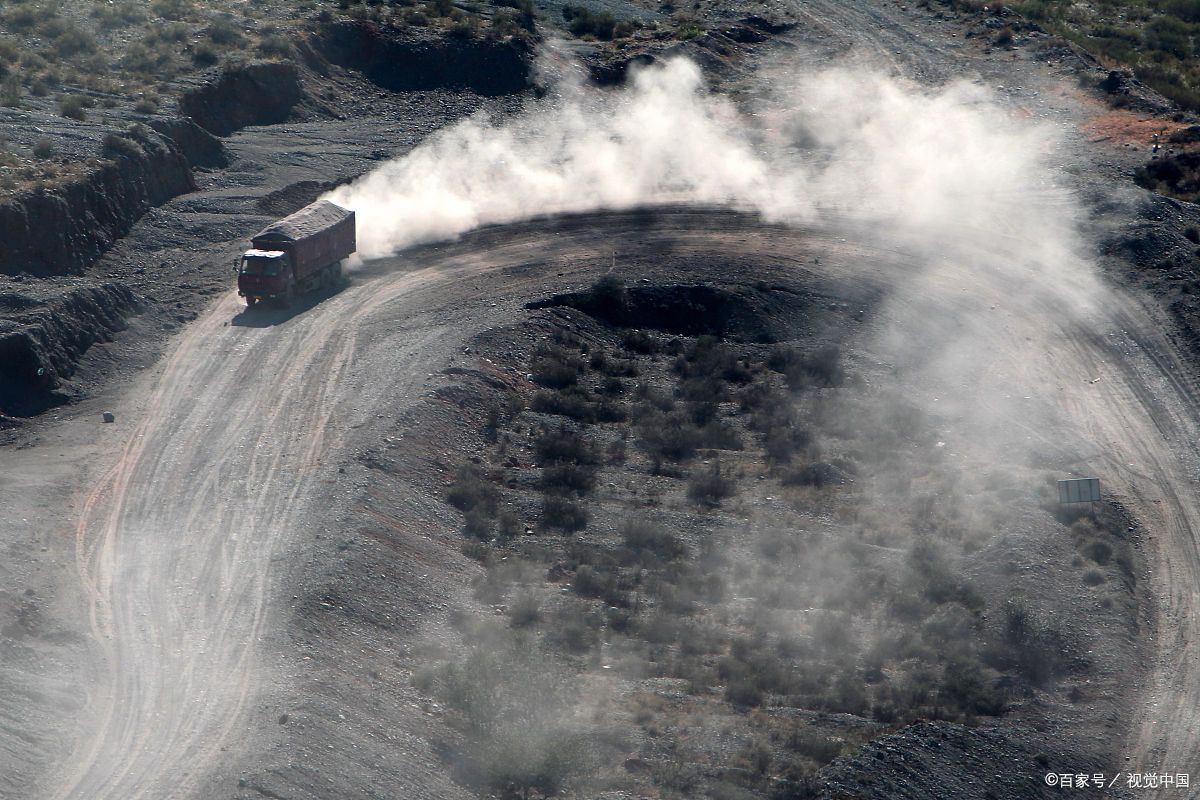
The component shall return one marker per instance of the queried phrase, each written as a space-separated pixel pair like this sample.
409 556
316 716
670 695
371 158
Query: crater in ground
759 313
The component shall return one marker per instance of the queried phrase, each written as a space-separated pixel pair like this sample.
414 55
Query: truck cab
264 274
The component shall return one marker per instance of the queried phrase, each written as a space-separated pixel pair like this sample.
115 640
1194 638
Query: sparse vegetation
880 618
116 146
582 21
73 107
1154 40
508 706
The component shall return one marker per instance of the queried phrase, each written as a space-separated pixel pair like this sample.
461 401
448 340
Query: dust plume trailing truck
298 253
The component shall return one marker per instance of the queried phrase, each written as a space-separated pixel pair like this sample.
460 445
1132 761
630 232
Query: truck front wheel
288 297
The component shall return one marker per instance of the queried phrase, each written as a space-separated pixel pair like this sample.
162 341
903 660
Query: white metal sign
1079 490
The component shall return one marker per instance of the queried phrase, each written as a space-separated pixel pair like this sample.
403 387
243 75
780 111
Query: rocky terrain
625 504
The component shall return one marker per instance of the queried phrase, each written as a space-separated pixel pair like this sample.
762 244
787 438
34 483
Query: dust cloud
578 149
932 165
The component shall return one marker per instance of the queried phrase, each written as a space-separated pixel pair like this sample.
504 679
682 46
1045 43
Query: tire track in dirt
174 544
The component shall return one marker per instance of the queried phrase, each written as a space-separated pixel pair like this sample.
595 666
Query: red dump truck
297 254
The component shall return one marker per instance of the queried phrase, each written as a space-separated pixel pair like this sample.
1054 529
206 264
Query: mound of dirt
747 314
259 93
42 339
293 197
414 59
199 146
62 230
605 71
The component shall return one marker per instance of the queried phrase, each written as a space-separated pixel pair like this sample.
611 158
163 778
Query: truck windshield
260 266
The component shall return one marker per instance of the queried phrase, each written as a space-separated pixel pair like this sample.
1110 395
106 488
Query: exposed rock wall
198 146
41 340
61 231
260 93
419 60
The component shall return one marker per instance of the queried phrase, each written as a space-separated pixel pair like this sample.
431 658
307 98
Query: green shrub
819 748
477 524
572 403
120 15
204 56
556 368
73 41
582 21
964 684
73 106
593 582
710 486
650 543
10 92
743 690
1029 644
44 148
115 146
525 611
145 105
563 514
223 32
821 368
22 19
471 492
618 367
515 717
564 446
172 9
1098 551
275 46
607 298
1169 35
568 478
639 342
151 60
818 475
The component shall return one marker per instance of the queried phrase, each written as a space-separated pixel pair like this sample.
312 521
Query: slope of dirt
770 314
65 229
262 93
42 339
413 59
